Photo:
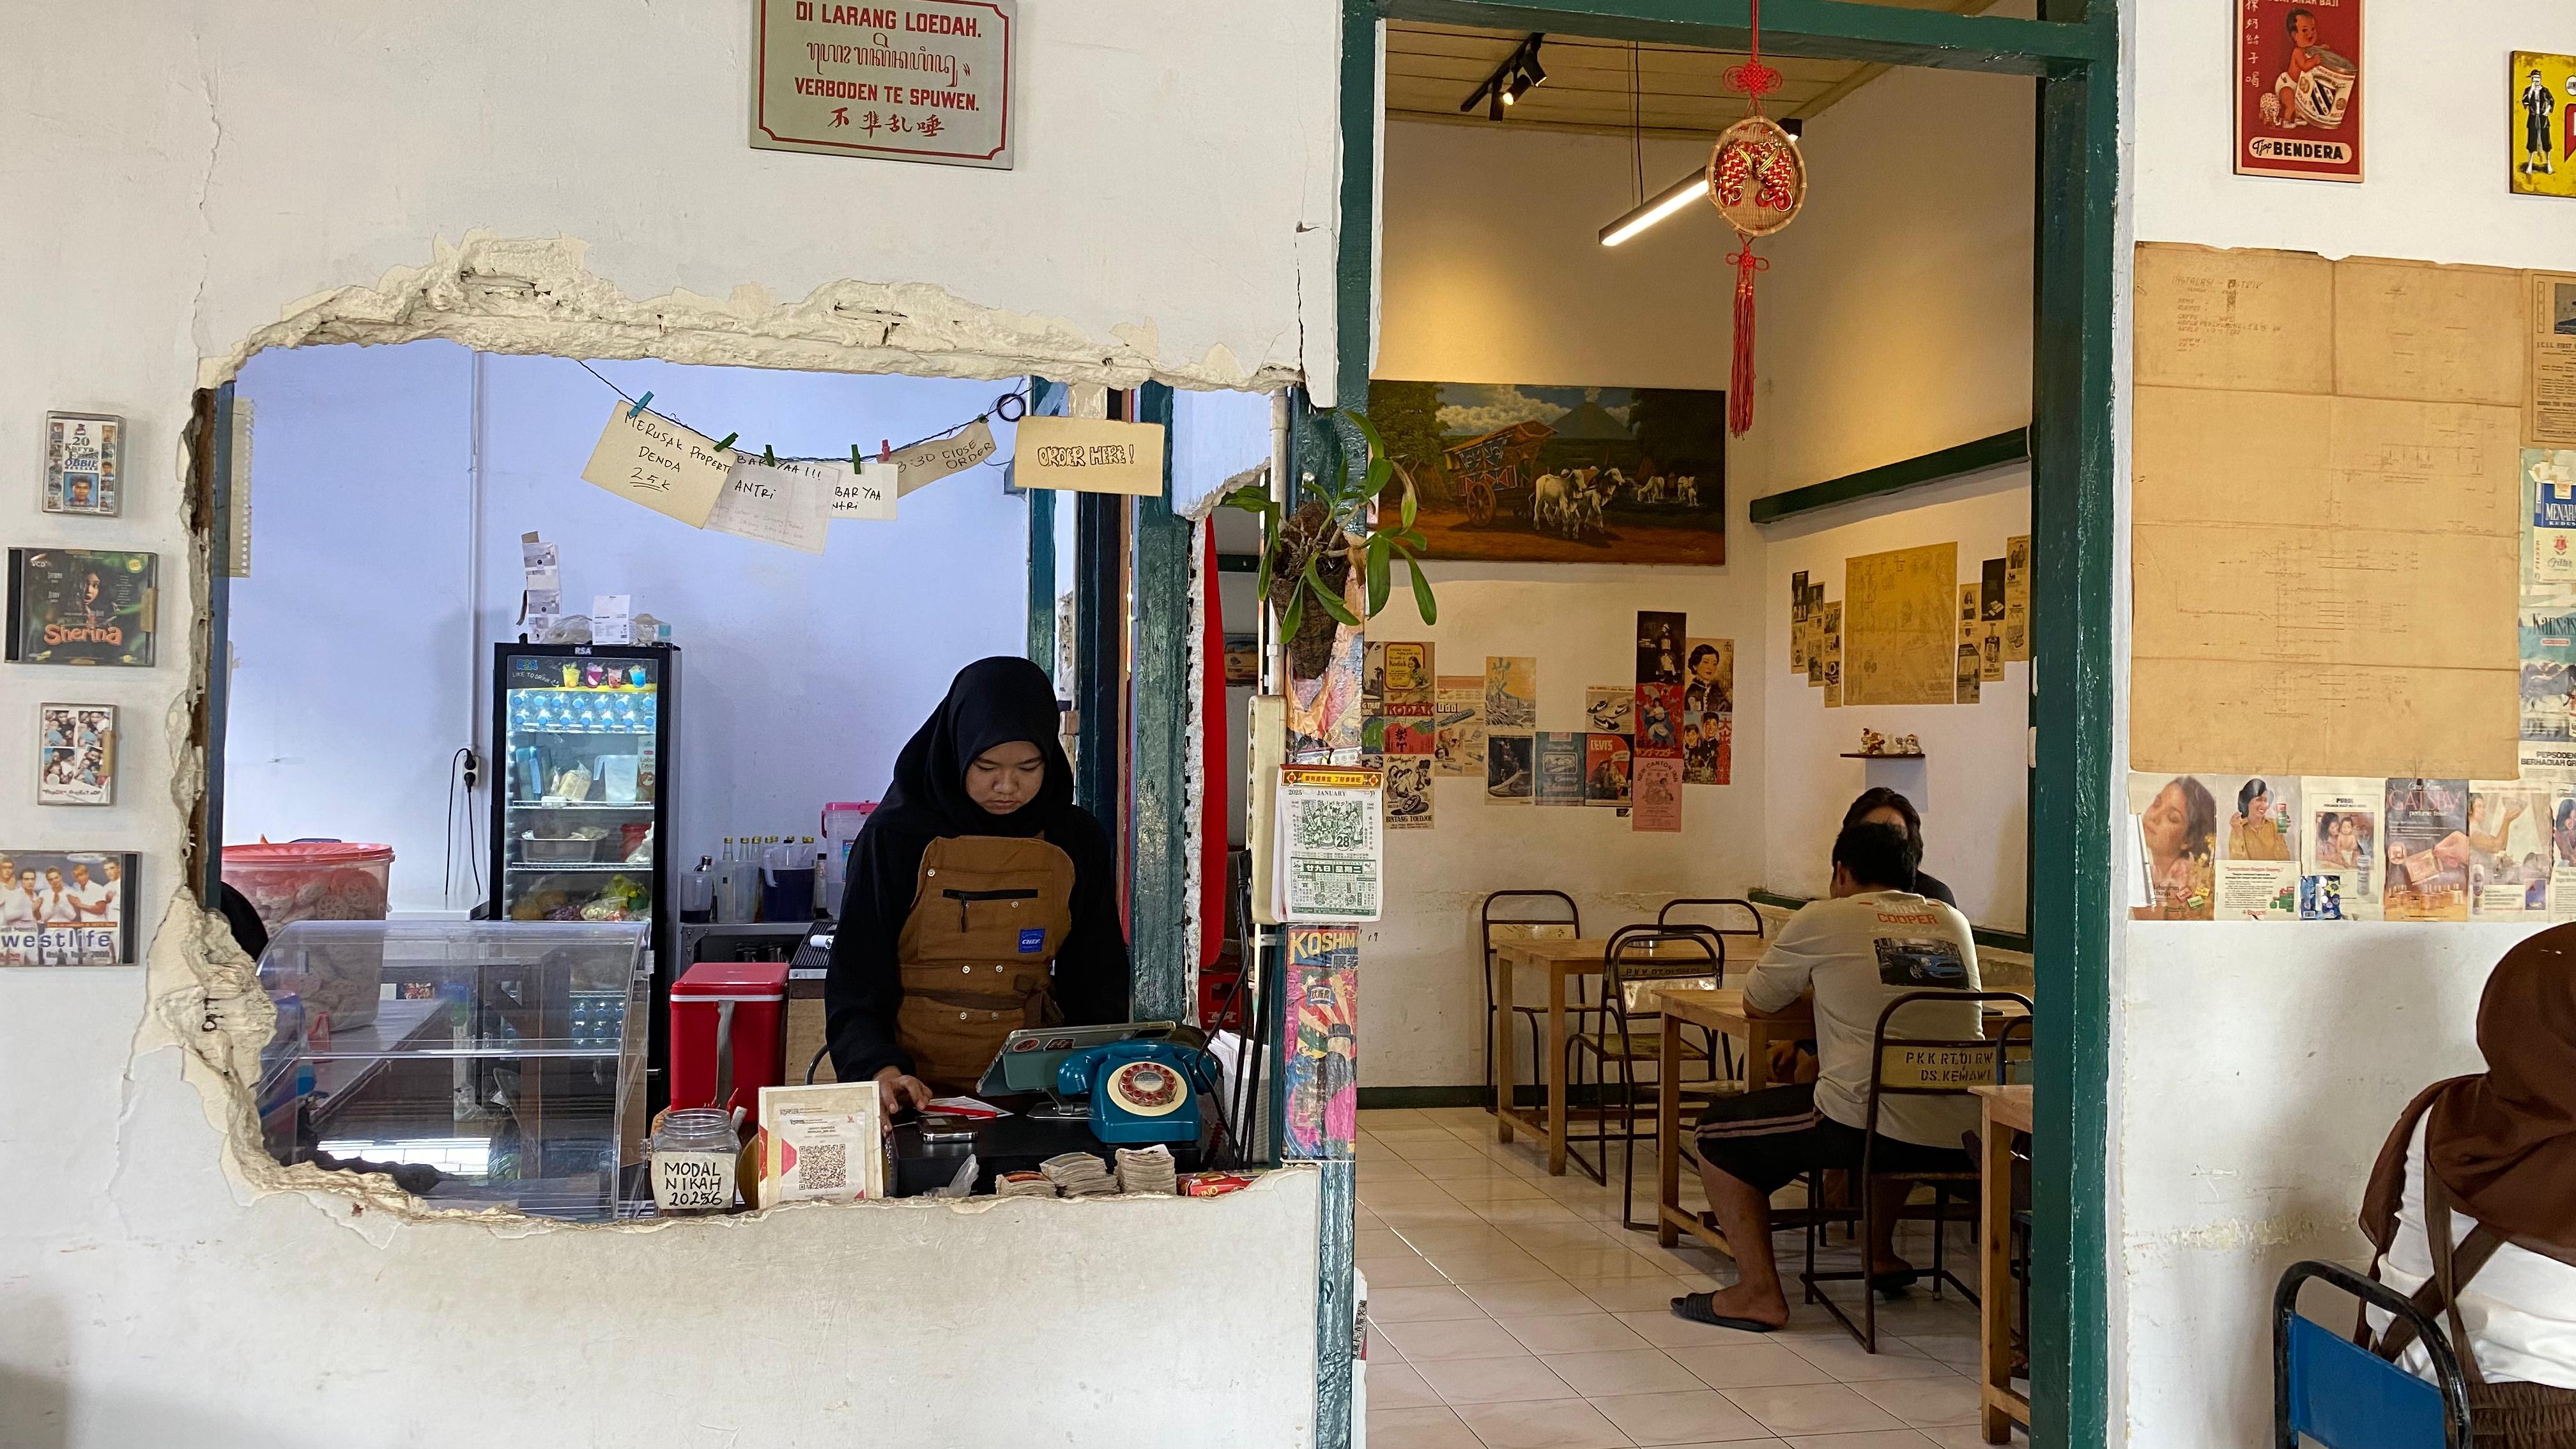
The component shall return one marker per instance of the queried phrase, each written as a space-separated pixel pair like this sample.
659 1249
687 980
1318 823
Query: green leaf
1412 538
1407 514
1261 584
1422 599
1296 615
1378 546
1380 472
1324 596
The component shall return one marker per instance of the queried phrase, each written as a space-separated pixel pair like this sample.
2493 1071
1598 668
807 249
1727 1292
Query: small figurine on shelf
1872 742
1908 745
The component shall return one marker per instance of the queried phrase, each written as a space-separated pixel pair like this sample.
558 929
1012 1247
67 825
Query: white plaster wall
1974 789
2259 1066
1494 273
1895 320
184 172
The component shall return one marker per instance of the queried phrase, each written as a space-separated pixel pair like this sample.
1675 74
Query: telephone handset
1141 1091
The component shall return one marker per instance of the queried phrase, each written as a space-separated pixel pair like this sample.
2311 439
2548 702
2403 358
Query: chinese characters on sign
2298 89
926 80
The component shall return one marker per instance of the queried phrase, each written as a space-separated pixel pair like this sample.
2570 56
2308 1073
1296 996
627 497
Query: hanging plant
1307 556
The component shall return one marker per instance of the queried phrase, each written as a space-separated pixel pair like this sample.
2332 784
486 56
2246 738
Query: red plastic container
310 880
748 1000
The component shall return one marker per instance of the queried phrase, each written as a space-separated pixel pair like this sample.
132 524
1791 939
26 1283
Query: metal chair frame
1616 976
1664 920
1486 921
1866 1331
2289 1417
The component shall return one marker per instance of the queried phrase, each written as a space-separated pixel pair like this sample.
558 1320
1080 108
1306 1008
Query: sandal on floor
1892 1286
1698 1308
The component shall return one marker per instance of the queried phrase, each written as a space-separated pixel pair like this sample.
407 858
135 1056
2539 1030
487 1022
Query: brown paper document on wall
2325 577
647 458
2017 598
2549 380
1896 635
1970 678
1089 455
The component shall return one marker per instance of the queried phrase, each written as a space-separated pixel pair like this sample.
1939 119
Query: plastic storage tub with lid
310 880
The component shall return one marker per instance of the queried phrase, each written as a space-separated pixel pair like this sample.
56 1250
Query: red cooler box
743 1001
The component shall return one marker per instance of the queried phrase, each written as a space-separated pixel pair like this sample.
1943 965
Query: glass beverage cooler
581 827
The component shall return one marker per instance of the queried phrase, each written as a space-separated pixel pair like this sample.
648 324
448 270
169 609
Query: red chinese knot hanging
1757 180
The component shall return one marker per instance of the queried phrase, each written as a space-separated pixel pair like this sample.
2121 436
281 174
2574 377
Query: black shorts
1767 1138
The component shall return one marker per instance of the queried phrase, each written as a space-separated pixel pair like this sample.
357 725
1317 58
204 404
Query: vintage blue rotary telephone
1141 1091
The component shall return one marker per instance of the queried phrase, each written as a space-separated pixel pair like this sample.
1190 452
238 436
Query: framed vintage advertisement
67 907
76 754
2544 123
84 464
2298 89
82 606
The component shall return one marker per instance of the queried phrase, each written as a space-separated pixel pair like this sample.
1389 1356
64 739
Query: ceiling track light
1511 80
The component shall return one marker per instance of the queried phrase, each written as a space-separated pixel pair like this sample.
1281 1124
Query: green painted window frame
2073 50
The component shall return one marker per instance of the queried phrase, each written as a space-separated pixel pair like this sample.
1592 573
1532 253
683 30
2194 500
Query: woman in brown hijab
2500 1196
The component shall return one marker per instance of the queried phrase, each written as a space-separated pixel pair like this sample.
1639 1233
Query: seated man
1879 805
1871 943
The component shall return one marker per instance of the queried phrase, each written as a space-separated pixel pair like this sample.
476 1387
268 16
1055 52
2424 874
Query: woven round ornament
1757 179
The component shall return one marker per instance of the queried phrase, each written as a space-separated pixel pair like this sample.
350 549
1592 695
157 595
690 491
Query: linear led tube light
1672 199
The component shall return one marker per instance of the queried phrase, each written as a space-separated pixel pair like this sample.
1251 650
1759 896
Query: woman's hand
894 1088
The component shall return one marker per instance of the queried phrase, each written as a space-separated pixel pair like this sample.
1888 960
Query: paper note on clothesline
926 463
647 458
786 503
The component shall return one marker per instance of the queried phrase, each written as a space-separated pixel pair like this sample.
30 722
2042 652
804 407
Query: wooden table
1718 1011
2007 1110
1560 958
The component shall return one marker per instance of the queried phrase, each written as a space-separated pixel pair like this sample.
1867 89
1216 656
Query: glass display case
480 1063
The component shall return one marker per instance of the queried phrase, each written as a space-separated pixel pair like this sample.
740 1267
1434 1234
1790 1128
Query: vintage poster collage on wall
1674 725
2235 846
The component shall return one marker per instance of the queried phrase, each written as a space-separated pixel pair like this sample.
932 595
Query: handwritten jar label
693 1182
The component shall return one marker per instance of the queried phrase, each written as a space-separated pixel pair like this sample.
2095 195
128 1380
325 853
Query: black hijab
997 701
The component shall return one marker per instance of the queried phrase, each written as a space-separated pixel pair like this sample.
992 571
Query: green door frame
2073 50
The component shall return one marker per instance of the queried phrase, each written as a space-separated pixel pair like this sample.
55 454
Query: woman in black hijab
981 899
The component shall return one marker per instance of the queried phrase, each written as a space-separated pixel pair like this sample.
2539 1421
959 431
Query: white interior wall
1895 320
1494 273
1974 789
353 665
2258 1066
279 153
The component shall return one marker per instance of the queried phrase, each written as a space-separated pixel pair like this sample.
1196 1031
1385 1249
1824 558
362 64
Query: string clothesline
1010 407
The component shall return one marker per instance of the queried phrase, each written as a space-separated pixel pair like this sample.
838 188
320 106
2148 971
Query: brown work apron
978 951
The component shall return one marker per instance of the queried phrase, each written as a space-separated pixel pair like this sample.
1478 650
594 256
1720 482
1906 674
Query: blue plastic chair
2344 1396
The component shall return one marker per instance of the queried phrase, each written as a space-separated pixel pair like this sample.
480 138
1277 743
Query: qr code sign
1334 824
824 1164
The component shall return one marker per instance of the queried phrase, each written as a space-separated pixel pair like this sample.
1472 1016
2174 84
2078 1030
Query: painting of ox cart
1561 474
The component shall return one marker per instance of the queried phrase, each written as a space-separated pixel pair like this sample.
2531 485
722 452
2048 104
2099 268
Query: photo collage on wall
1672 725
2238 846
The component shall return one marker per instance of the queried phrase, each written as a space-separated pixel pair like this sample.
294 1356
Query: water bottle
724 885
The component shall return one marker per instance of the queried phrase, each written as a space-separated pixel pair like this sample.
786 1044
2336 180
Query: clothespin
858 464
767 456
728 441
631 413
885 450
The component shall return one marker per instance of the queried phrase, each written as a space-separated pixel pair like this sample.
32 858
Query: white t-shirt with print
1856 955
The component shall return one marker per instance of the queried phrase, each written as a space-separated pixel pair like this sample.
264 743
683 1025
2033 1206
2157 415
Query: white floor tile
1419 1304
1462 1381
1422 1343
1572 1333
1421 1428
1749 1364
1690 1416
1628 1371
1396 1385
1553 1424
1925 1402
1529 1297
1812 1409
